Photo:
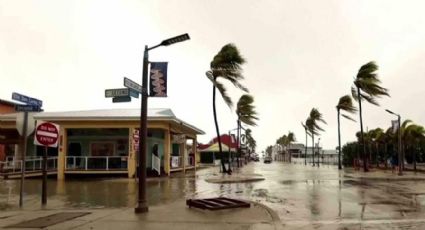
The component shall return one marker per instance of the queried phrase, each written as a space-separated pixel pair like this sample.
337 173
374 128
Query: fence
105 163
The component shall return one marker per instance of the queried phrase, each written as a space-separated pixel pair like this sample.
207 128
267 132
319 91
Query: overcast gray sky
300 54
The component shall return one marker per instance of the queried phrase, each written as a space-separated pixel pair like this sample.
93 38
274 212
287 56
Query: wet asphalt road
304 197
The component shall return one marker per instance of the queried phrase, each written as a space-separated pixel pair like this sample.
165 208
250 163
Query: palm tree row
366 87
227 65
382 144
285 142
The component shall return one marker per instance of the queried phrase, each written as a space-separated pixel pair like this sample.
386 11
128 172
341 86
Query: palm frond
368 82
346 104
221 89
348 117
228 58
245 110
369 99
354 93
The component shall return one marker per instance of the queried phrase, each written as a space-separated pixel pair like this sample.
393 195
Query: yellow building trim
62 150
167 151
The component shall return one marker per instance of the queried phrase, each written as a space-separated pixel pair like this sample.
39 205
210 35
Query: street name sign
46 134
27 108
134 93
122 92
121 99
27 100
132 85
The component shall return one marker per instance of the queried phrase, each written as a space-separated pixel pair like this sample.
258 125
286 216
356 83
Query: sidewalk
382 174
174 216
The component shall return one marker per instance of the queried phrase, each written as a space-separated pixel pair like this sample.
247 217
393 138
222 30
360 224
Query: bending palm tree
367 86
225 65
245 110
252 144
305 154
345 104
310 128
314 128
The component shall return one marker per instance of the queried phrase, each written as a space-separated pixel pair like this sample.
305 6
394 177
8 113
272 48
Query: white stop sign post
47 135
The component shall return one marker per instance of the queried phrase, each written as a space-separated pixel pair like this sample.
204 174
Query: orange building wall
2 152
4 108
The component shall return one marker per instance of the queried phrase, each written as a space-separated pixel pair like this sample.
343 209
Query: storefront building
106 142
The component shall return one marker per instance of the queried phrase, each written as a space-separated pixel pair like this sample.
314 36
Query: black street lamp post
142 205
400 165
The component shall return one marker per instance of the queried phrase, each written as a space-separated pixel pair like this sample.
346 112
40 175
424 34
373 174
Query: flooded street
299 194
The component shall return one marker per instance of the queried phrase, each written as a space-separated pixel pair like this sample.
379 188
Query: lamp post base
141 209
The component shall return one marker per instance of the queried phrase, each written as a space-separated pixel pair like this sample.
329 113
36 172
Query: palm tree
250 141
305 154
376 136
416 134
314 127
245 110
290 138
345 104
367 86
226 65
404 138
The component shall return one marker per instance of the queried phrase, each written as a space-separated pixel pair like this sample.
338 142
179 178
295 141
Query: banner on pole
394 124
158 79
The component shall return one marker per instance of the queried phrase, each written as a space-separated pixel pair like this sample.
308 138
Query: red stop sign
47 134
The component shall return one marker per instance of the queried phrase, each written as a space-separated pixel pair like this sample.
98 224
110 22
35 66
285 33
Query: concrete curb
275 217
234 180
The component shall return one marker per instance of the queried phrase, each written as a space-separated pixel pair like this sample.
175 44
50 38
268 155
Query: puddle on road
263 194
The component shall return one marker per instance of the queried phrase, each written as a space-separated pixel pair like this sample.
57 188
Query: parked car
255 157
267 160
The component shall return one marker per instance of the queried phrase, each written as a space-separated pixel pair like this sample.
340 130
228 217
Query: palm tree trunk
339 142
377 155
312 147
238 149
318 155
305 152
414 160
370 152
218 132
289 152
363 147
386 155
403 154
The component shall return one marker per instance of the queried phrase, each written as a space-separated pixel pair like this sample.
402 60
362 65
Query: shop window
102 148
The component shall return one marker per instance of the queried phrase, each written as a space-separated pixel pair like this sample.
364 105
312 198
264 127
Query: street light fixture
143 135
400 168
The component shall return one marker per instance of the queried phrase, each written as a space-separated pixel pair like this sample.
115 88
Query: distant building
209 154
298 150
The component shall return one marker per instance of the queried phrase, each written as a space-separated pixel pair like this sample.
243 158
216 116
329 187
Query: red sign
47 134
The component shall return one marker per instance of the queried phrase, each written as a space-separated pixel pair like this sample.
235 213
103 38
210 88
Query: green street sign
121 99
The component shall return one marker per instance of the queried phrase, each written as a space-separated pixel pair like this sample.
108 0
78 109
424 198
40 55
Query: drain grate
46 221
217 203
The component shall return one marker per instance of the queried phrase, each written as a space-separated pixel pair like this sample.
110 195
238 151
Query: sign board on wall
136 140
179 138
